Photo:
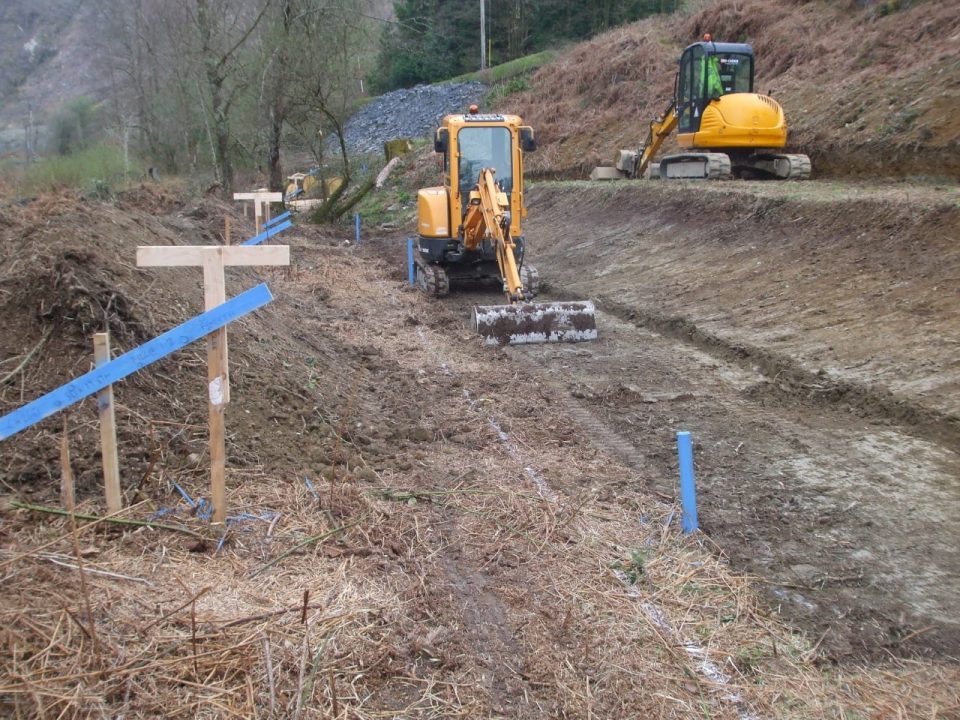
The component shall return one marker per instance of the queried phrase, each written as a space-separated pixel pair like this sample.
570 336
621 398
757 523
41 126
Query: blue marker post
356 223
268 233
688 490
410 261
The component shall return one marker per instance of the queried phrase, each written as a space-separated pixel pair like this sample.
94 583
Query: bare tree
306 87
234 80
219 51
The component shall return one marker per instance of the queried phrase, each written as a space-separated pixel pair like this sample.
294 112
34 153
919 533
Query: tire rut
789 383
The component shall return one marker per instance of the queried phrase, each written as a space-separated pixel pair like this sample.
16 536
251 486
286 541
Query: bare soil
438 529
807 335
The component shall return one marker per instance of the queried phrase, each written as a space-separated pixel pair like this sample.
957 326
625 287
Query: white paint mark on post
216 391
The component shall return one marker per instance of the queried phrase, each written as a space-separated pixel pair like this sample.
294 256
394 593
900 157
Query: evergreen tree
439 39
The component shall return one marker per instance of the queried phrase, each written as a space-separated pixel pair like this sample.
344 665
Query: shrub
93 170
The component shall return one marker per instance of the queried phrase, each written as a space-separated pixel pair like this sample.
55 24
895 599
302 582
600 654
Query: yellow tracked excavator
470 229
723 126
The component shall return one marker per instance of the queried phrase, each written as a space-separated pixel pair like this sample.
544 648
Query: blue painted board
268 233
273 221
136 359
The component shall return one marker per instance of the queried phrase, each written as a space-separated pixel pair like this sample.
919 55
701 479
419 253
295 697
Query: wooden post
226 229
108 428
66 471
213 259
261 202
214 291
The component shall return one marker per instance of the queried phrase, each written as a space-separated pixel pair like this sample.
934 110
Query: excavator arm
488 218
660 129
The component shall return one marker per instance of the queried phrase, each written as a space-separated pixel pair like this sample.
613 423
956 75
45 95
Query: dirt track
802 333
807 335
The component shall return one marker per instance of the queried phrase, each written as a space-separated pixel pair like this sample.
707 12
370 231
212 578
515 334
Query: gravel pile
413 113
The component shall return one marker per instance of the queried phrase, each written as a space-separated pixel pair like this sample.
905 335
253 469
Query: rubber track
433 280
718 165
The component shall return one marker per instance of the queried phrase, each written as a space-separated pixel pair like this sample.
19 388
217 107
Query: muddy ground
438 529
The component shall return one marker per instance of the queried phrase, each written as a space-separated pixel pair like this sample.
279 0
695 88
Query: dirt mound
69 271
867 90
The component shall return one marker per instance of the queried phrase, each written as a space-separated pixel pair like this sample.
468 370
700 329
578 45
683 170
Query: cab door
690 89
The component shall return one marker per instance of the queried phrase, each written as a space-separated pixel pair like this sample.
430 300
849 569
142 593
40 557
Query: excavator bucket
536 322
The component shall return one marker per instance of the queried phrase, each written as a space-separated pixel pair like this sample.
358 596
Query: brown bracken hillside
869 88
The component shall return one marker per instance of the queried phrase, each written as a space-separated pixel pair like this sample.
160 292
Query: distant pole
356 223
688 492
483 35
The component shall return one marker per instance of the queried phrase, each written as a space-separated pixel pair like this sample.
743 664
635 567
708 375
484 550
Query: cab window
736 72
689 90
485 147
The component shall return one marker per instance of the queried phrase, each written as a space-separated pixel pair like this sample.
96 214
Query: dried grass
855 91
451 557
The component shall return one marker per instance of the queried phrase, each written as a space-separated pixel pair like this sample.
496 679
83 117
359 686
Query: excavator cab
708 71
484 147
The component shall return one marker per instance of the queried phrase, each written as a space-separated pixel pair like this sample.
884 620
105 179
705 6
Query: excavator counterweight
470 228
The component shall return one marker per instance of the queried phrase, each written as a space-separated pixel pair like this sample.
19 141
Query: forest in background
210 88
435 40
203 88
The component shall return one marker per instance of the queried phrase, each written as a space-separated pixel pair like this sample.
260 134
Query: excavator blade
536 322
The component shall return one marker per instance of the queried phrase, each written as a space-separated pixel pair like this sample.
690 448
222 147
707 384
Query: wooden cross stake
108 428
261 204
213 259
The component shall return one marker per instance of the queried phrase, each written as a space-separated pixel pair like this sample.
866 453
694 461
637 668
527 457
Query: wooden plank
214 290
261 204
215 293
136 359
108 428
184 255
261 196
279 218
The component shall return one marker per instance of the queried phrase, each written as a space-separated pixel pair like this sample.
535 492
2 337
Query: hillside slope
867 91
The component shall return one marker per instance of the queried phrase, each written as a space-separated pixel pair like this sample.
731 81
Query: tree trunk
273 151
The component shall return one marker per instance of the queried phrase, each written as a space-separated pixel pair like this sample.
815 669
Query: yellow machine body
724 128
741 120
433 212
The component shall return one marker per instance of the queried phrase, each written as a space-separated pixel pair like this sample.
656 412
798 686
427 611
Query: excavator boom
488 218
520 321
660 130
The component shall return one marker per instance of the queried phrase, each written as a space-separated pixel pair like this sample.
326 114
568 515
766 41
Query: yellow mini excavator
725 127
470 228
